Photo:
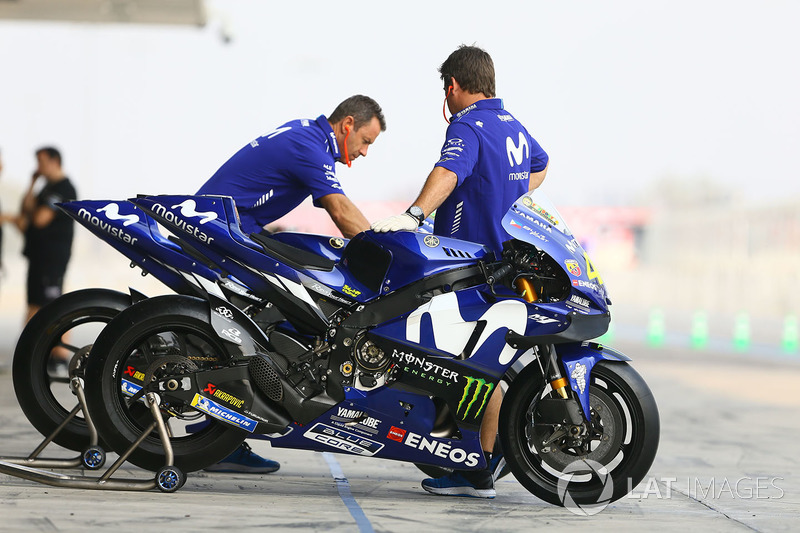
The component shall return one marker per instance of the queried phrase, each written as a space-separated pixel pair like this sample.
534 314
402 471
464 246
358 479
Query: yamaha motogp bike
393 351
71 323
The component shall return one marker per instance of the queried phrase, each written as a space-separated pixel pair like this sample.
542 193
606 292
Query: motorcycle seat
294 257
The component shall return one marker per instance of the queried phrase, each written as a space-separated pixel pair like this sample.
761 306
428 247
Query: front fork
578 360
563 409
553 373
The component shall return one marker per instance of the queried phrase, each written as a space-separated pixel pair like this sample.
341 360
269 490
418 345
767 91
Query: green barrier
699 335
656 330
790 341
741 332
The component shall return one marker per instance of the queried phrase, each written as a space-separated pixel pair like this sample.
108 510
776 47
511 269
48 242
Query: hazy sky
619 93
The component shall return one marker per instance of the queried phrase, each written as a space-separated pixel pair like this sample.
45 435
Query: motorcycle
391 351
72 322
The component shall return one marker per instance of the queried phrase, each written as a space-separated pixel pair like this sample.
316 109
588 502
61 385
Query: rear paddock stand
93 457
169 478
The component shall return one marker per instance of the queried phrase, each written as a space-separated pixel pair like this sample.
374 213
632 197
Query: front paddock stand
169 478
93 457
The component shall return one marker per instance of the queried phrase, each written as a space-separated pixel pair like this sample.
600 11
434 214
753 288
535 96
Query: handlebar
500 273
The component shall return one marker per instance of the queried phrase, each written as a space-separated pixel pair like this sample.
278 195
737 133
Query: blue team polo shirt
277 171
492 155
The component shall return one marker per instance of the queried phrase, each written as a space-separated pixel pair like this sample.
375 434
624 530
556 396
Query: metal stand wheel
168 479
94 458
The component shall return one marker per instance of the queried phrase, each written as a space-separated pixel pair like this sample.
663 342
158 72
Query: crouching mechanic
274 173
488 161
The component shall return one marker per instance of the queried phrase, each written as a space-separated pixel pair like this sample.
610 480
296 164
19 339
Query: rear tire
47 399
164 330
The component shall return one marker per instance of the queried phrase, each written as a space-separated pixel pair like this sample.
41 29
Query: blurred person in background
273 174
48 235
488 161
1 215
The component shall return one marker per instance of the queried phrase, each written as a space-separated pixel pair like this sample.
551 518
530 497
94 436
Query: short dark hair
472 68
362 108
51 152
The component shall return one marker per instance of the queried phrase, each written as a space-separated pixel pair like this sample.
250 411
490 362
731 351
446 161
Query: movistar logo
189 210
517 153
480 385
112 213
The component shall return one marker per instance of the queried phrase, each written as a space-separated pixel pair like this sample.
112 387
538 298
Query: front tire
626 428
162 331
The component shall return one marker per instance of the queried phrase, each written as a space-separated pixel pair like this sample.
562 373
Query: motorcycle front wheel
619 444
165 335
69 324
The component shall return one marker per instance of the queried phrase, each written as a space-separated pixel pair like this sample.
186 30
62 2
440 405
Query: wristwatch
416 212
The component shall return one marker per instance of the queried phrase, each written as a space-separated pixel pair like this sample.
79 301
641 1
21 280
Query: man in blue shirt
488 161
274 173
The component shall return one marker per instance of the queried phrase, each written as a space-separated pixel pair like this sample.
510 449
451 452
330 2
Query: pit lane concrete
727 462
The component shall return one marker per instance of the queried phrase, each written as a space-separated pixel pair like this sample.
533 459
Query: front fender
579 359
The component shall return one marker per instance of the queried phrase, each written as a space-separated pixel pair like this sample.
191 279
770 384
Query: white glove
396 223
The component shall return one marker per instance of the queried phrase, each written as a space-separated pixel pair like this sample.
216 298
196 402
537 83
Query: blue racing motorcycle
67 327
391 350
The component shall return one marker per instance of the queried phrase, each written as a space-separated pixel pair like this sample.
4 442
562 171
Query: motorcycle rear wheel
169 328
70 323
627 418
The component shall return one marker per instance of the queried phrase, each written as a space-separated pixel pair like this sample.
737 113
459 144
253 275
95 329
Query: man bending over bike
273 174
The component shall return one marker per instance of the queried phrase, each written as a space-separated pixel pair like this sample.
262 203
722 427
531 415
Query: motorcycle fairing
212 221
534 219
459 325
361 425
324 245
578 360
205 220
131 232
385 262
464 387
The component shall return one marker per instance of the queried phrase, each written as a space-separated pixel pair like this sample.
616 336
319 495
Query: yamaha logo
431 241
336 242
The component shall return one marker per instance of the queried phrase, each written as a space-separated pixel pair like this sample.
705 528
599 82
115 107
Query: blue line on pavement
343 486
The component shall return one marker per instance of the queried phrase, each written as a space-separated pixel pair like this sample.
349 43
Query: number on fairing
591 273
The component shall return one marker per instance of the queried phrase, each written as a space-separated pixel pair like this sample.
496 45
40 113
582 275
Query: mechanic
488 161
274 173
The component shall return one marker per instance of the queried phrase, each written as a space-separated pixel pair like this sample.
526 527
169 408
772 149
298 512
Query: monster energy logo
480 384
